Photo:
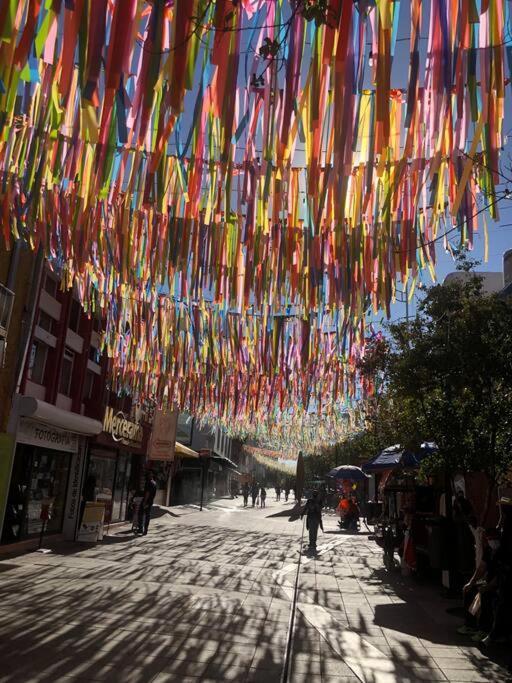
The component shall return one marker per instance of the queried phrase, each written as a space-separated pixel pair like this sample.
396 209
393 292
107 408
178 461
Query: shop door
121 488
101 476
39 476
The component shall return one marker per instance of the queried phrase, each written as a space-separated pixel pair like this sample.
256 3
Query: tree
450 371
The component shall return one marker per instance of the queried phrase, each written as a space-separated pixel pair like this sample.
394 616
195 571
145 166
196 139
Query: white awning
64 419
185 451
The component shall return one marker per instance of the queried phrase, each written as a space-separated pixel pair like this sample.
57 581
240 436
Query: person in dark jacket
263 496
245 493
147 504
313 511
254 493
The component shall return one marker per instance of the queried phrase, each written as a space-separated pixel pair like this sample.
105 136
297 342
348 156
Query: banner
163 437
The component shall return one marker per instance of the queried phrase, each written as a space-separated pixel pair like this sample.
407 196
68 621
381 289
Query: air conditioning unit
6 306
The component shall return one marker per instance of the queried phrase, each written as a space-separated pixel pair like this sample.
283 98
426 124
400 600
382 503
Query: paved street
206 597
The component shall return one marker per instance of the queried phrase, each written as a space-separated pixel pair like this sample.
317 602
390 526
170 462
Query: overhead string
187 161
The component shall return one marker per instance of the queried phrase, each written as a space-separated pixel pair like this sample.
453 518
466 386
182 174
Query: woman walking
263 496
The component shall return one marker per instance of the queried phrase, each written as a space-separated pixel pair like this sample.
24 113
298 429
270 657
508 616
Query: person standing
147 503
286 492
245 493
234 489
313 511
263 496
254 493
278 491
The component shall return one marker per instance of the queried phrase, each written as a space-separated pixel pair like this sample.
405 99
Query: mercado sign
121 429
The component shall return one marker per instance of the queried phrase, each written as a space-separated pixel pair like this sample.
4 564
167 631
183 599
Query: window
66 372
50 285
37 362
96 323
94 354
89 385
74 318
46 322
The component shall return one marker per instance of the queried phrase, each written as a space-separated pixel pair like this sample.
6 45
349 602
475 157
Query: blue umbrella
350 472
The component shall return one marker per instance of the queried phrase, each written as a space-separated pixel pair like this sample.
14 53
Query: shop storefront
47 470
115 464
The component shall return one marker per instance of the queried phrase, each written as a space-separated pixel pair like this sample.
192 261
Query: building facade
66 438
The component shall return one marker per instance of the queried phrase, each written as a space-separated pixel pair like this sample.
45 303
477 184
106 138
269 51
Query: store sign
163 436
120 429
45 436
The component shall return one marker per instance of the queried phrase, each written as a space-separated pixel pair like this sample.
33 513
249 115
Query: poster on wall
163 436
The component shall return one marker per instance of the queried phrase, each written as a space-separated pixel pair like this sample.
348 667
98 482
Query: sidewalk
206 597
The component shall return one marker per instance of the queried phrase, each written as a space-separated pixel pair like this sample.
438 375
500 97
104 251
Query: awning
394 456
184 451
224 462
64 419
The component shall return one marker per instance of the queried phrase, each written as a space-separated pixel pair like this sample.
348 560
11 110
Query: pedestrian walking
234 489
245 493
254 493
286 493
263 496
313 511
278 492
147 503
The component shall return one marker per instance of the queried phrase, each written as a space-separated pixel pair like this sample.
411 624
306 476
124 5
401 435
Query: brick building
57 443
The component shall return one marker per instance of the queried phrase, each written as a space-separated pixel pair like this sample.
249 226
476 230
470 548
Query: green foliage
450 370
445 376
315 10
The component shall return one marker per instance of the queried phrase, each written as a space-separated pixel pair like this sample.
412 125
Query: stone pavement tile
184 668
193 655
268 657
444 651
242 650
221 636
460 661
305 666
227 672
335 667
472 676
174 678
472 651
257 675
422 674
278 614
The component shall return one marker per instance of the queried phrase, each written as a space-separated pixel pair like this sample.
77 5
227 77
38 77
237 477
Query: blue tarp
393 456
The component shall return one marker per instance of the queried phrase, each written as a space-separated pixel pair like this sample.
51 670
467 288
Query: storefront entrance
39 475
108 481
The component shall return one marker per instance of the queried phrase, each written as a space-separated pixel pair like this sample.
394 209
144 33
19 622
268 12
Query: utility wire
460 225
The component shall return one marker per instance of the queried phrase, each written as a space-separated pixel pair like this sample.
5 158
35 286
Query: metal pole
407 301
285 674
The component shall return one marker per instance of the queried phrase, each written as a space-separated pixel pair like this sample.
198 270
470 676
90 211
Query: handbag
476 605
